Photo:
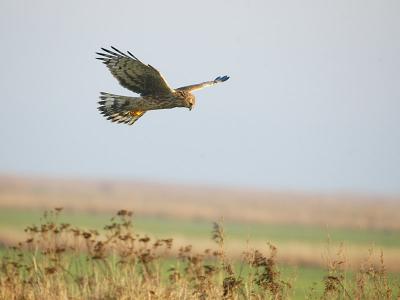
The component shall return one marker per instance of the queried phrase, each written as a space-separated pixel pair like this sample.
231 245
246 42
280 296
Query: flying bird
145 80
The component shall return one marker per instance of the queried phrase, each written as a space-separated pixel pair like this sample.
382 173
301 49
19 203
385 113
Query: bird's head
190 101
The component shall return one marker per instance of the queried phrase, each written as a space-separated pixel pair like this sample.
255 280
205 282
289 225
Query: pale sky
313 102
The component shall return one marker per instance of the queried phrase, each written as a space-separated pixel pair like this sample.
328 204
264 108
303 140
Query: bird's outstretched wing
194 87
133 74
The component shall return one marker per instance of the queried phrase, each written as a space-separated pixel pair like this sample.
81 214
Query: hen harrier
144 80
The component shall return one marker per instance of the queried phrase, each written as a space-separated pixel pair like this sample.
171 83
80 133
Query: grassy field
322 242
303 278
16 219
203 203
250 277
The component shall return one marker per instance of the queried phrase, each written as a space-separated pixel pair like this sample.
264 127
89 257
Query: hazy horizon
313 102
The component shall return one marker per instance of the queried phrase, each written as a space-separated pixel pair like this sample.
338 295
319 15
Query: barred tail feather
118 108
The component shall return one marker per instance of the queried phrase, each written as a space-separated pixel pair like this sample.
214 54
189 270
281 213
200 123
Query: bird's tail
118 108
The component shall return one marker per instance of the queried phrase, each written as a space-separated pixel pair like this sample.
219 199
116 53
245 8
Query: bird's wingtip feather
221 78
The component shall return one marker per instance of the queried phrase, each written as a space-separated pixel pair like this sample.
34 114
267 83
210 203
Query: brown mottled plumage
146 81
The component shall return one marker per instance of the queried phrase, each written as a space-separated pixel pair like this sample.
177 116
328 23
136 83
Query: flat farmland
297 223
308 230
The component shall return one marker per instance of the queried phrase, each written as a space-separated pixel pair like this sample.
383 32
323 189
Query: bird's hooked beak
191 106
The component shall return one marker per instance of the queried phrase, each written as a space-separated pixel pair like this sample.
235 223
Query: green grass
302 278
166 227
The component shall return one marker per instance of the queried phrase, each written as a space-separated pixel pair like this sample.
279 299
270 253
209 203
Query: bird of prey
145 80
